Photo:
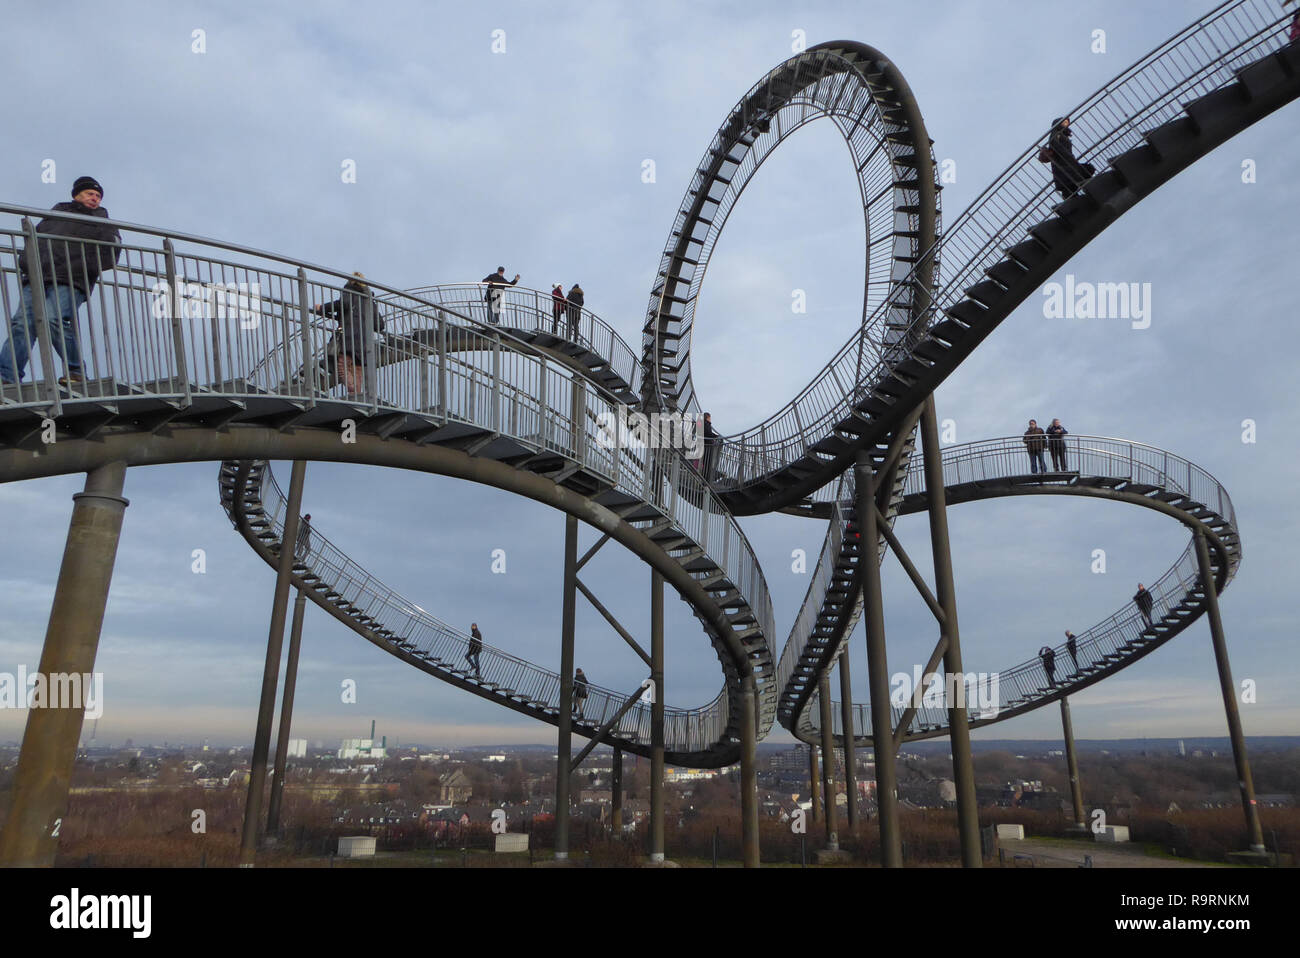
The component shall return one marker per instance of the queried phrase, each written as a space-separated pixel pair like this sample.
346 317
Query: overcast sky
468 159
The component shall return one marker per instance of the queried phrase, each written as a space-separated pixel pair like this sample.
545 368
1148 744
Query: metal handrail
1195 61
149 339
1006 458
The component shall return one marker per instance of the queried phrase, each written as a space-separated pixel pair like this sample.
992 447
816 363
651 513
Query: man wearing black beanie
72 254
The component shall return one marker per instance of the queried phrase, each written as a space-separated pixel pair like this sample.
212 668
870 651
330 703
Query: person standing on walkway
71 255
1056 445
579 692
712 445
1142 598
576 298
303 546
358 320
1072 646
1035 439
1049 664
475 648
495 293
1068 174
558 306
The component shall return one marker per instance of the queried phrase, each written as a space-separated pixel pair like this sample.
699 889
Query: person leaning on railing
70 267
350 340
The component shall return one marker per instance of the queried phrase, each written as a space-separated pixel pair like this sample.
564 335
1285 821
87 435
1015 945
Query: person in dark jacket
1049 664
71 254
1035 440
558 306
358 319
303 546
579 692
712 446
1142 598
475 648
576 299
495 293
1056 444
1067 173
1072 646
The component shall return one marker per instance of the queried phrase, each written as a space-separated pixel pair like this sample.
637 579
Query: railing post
174 312
310 383
36 281
443 405
370 379
496 383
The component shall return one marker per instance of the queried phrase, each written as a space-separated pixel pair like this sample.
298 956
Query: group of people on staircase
564 306
1145 605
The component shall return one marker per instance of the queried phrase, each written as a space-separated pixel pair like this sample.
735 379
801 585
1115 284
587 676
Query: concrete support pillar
963 767
1072 765
850 751
882 735
49 751
828 763
271 670
286 716
749 771
1254 833
657 717
565 750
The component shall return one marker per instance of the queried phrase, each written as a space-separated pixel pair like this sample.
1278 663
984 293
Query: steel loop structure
200 350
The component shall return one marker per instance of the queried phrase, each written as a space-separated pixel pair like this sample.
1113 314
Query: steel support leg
963 768
271 669
828 763
814 784
882 734
1072 765
616 793
565 749
49 751
850 755
749 770
1254 833
286 716
657 717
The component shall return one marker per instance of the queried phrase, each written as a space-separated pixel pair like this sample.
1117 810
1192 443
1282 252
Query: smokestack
372 730
384 743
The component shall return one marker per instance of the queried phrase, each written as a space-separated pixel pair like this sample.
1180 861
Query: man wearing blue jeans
70 267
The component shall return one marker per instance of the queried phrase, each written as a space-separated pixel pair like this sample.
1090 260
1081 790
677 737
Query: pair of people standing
1037 441
70 256
569 305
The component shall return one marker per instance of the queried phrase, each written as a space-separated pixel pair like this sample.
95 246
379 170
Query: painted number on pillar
58 823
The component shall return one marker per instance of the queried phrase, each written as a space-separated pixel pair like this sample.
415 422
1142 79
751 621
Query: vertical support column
850 753
1254 833
616 794
286 716
565 750
1072 765
814 784
828 763
963 767
49 749
271 669
882 733
657 716
749 770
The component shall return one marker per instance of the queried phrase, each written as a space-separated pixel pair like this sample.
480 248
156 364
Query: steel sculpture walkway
200 350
